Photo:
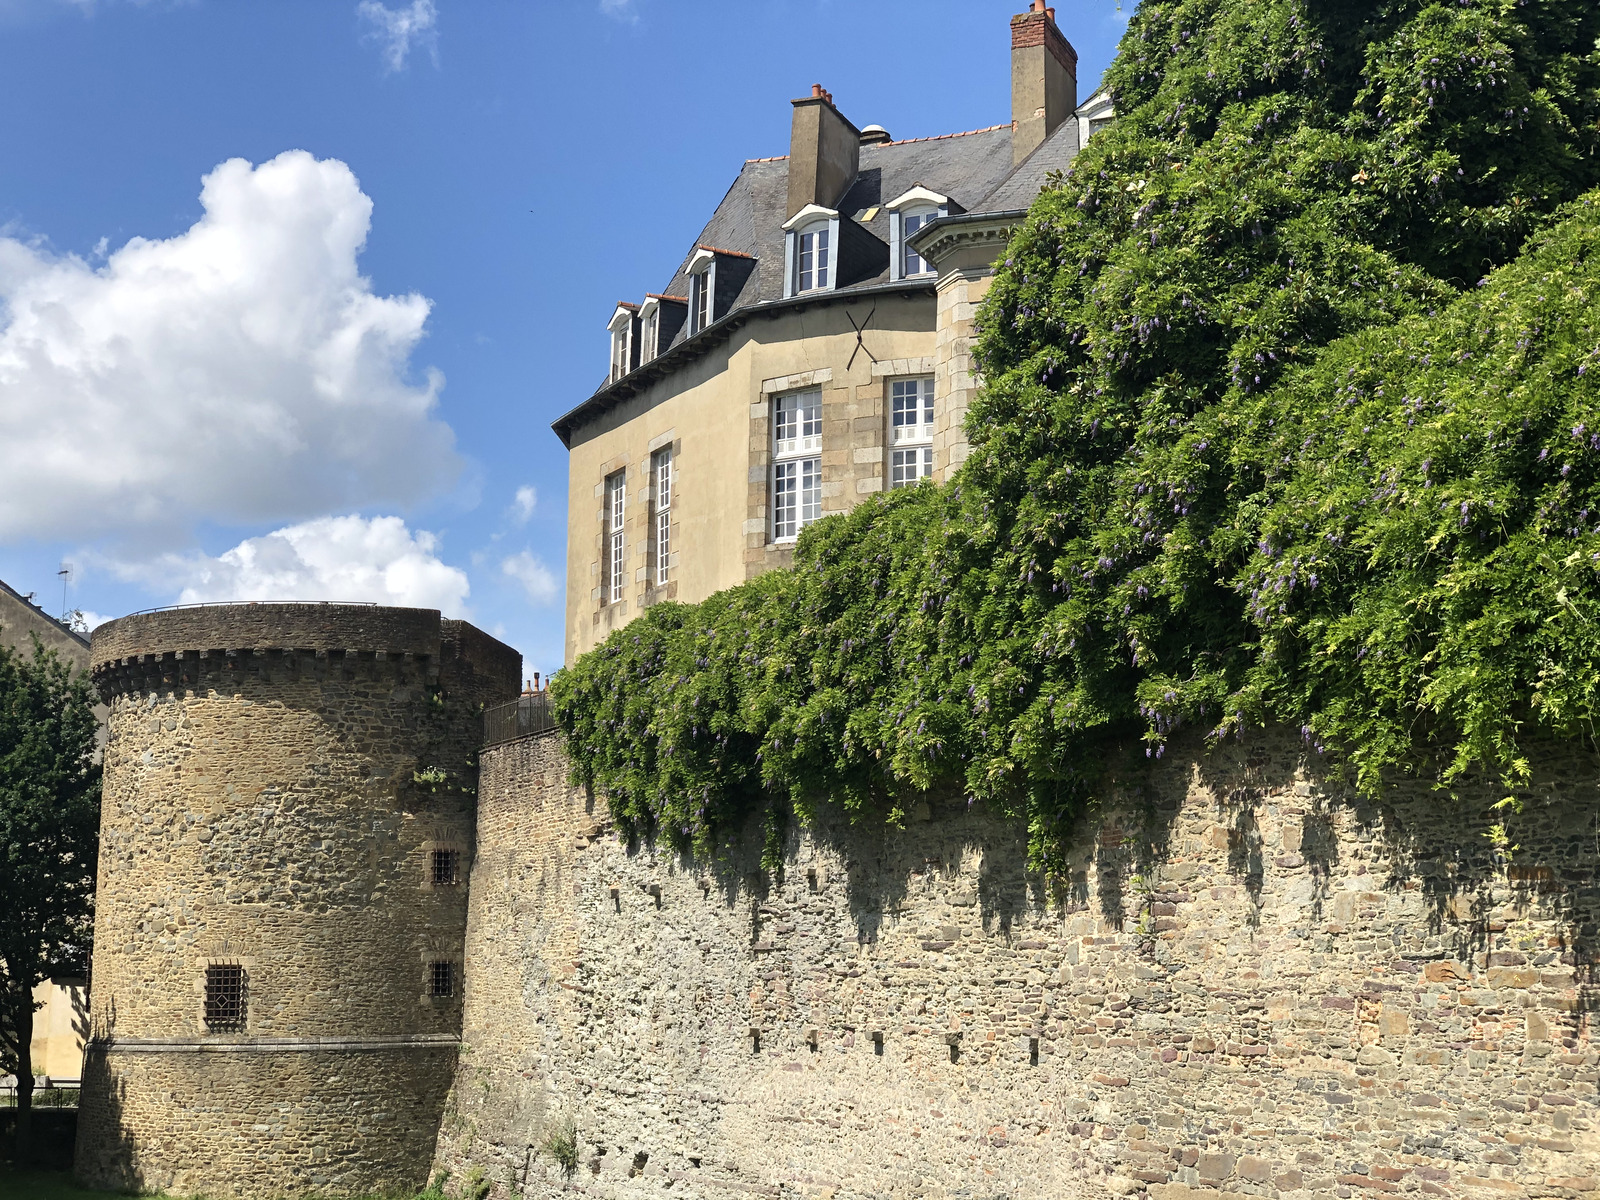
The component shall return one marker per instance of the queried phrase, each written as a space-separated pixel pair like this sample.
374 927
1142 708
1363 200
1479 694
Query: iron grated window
442 979
225 998
445 867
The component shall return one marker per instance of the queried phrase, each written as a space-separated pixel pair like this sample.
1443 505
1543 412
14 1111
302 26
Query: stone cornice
938 239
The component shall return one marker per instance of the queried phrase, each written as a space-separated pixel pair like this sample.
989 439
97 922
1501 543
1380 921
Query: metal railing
47 1093
532 713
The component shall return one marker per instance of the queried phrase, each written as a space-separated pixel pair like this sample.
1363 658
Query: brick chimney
1044 80
824 152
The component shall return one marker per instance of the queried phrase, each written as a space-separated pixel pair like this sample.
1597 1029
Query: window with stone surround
446 866
661 492
910 430
612 563
441 979
225 997
796 463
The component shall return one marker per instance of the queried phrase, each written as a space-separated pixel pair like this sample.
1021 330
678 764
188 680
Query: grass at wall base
1291 414
19 1184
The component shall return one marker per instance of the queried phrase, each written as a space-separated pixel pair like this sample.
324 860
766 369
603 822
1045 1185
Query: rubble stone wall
272 797
1248 982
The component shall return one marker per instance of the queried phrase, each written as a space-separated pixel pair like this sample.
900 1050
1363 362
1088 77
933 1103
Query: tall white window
614 563
652 335
912 221
661 476
910 430
812 259
704 298
796 463
621 350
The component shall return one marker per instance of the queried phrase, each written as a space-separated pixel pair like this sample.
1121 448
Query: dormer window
907 214
910 221
702 272
660 319
624 327
811 240
652 334
811 272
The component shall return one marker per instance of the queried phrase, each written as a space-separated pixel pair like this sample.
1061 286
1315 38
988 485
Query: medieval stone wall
1248 983
275 780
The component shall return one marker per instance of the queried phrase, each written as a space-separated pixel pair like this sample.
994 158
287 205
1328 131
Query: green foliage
561 1144
476 1186
49 834
1269 373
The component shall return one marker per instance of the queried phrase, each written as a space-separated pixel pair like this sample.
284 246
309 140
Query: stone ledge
195 1045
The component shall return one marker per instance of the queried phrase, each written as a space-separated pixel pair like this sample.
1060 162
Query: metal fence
52 1093
530 714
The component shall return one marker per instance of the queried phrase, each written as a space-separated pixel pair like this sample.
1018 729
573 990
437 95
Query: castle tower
288 816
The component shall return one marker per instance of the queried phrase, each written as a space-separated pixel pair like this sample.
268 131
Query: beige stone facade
60 1027
715 420
915 229
1248 983
276 780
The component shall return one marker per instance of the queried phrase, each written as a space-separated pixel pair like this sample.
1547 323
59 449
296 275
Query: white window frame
814 255
913 264
614 519
919 204
650 329
796 462
621 326
702 272
812 221
910 414
661 490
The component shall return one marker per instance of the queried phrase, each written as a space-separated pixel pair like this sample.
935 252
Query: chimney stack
824 152
1044 79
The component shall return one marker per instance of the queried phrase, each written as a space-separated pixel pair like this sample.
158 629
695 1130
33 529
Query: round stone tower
288 817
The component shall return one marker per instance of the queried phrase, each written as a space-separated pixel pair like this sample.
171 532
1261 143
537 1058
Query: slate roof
973 168
967 167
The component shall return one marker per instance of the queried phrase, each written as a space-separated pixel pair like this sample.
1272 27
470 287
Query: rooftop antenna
66 578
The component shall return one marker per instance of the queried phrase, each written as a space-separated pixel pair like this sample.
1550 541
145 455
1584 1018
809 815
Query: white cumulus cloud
400 30
527 499
242 371
536 578
331 558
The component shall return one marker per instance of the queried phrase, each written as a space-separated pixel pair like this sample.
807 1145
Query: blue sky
332 376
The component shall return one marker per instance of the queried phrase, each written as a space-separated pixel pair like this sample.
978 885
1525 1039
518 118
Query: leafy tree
1328 278
49 833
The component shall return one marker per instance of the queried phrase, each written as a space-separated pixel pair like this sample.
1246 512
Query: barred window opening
445 867
225 996
442 979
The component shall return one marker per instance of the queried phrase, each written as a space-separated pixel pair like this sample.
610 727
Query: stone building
286 833
21 620
812 347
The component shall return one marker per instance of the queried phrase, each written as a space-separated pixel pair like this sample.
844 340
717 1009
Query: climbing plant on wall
1289 416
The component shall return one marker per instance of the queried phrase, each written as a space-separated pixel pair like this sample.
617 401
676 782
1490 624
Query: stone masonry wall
1248 984
272 802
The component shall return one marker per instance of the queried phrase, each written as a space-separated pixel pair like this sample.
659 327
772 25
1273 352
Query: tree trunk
22 1146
